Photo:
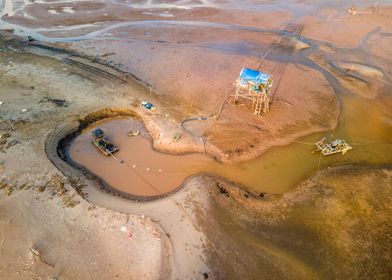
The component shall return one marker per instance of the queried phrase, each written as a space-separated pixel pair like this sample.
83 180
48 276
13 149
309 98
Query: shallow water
367 128
136 168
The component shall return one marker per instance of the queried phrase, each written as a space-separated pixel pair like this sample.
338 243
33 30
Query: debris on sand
9 190
176 137
3 185
9 30
56 185
148 106
326 146
35 251
5 136
55 101
352 10
222 189
128 229
135 102
295 43
12 143
6 143
69 201
132 133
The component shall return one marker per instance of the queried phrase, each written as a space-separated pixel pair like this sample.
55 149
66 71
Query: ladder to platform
261 104
258 106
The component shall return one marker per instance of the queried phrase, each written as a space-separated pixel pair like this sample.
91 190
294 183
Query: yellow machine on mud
326 146
103 145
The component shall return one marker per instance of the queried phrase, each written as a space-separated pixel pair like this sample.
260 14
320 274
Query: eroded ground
185 56
335 225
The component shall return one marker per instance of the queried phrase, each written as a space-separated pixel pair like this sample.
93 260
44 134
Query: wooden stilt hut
254 85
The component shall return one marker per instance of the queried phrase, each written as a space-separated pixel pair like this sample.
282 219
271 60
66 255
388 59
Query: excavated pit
154 175
58 143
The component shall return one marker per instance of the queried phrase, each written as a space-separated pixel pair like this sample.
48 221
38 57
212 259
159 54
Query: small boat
103 145
329 147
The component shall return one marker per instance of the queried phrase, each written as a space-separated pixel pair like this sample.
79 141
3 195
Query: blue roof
250 75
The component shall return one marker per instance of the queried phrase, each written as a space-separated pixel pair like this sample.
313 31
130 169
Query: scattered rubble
222 189
176 137
57 102
133 133
148 106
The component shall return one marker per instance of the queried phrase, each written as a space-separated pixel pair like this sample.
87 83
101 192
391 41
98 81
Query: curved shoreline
57 145
58 142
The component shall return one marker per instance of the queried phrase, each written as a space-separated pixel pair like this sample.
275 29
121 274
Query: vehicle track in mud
95 70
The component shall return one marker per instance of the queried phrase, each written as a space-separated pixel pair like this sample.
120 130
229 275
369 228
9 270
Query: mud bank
336 224
286 236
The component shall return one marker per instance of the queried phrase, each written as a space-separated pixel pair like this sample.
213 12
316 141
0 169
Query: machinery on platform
255 86
102 144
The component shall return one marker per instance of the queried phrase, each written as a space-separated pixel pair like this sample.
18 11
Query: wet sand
334 225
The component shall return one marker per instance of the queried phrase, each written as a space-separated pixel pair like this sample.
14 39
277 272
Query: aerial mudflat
195 140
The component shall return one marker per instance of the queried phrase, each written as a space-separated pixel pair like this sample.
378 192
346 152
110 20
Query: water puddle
137 168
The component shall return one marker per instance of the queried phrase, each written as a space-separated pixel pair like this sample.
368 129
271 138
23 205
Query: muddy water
136 168
145 171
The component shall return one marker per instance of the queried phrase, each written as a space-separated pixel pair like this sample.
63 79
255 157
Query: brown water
144 171
147 172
